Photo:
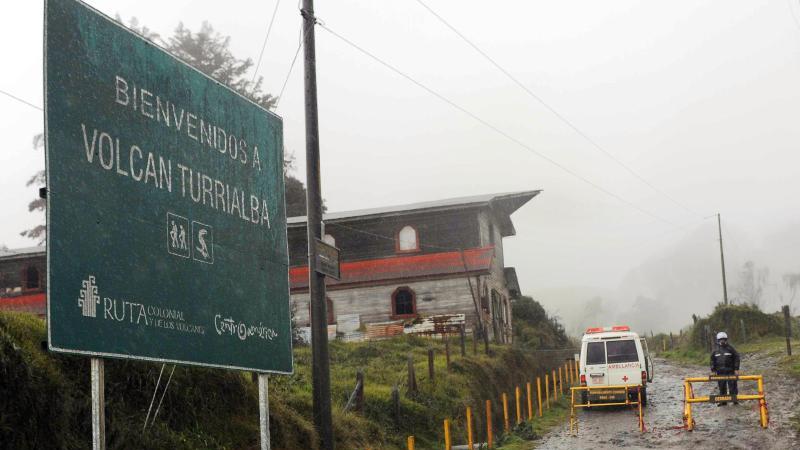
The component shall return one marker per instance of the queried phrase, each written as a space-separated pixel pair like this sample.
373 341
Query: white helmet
722 335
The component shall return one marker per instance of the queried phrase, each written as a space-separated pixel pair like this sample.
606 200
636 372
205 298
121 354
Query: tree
209 52
791 282
752 281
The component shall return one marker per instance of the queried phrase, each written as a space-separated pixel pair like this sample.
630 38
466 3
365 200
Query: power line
291 67
264 45
21 100
492 127
550 108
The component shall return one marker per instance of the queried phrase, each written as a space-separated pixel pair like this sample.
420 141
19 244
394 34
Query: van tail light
583 379
644 377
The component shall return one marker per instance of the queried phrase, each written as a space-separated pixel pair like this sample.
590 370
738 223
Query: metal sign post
98 405
263 409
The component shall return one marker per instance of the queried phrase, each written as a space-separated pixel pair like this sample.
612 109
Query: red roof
33 303
403 267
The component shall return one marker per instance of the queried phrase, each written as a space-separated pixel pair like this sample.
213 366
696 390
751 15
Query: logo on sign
203 236
89 299
177 235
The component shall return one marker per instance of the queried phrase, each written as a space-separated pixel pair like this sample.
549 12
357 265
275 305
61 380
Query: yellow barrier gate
689 398
604 393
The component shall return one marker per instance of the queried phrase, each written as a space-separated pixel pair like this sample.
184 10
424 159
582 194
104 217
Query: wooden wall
376 237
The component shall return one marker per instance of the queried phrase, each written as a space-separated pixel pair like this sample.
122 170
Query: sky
700 99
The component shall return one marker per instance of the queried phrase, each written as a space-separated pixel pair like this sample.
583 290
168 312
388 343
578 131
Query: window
32 278
595 353
407 239
622 351
404 303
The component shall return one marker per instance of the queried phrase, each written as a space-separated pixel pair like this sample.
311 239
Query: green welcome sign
166 213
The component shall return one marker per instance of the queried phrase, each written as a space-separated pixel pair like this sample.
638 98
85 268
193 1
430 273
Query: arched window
32 278
404 303
328 310
330 240
407 239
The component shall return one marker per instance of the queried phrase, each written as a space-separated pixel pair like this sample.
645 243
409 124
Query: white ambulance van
615 356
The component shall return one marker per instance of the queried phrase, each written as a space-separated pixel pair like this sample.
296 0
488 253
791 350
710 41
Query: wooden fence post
489 431
412 377
360 391
463 341
396 405
517 395
475 341
447 350
744 330
431 371
539 394
787 319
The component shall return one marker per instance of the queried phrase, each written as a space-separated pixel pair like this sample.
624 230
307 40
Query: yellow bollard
641 416
572 419
688 393
448 445
411 443
539 394
517 396
547 391
489 436
762 403
505 412
560 382
571 374
530 400
469 427
577 372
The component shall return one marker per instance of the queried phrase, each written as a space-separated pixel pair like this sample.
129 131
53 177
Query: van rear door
596 364
623 363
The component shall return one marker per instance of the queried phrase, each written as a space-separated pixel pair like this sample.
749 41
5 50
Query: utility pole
722 260
316 281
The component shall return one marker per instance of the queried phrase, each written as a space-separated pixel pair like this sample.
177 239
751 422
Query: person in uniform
725 361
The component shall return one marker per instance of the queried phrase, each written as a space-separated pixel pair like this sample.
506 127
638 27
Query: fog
699 99
663 292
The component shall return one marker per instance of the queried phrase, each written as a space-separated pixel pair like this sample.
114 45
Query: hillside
42 392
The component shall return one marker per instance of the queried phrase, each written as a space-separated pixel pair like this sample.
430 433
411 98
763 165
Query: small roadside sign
328 260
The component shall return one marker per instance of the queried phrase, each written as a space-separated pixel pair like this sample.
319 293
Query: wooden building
23 280
398 263
410 261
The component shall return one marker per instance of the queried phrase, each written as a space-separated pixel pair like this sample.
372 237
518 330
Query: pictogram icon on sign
203 246
177 228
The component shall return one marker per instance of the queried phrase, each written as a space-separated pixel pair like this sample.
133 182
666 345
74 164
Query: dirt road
726 427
